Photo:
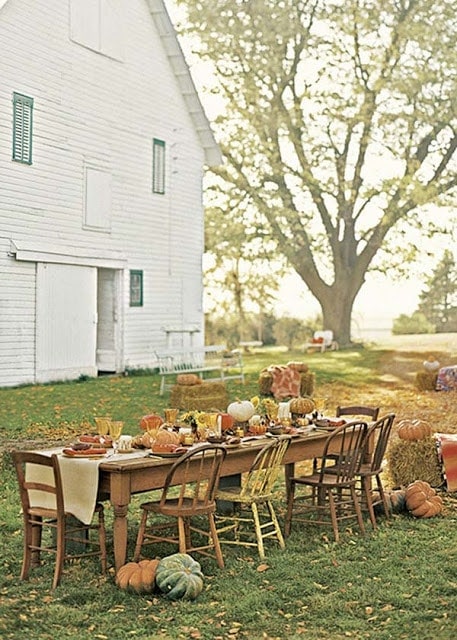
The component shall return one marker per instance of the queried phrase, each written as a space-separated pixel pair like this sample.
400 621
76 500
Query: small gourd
422 501
413 430
138 576
301 405
241 410
179 576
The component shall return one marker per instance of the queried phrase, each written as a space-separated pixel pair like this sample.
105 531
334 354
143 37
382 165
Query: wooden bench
215 359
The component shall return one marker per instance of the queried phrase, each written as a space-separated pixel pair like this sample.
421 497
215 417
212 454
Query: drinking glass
103 425
115 431
320 403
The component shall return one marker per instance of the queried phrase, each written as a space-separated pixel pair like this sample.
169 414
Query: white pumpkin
241 410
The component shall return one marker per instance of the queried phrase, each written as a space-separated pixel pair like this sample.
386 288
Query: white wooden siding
92 110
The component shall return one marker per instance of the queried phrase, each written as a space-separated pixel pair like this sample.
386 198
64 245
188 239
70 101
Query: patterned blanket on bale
447 453
447 379
286 381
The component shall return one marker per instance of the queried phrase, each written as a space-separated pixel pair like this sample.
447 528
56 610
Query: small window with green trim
158 166
136 288
22 128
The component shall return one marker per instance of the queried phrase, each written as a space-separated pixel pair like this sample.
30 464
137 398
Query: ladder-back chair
48 490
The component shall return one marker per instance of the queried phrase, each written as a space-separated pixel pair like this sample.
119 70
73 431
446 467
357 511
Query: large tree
338 129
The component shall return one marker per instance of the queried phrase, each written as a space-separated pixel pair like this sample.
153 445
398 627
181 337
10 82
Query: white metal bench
214 359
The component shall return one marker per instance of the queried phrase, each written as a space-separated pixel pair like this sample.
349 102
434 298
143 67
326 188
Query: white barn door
66 321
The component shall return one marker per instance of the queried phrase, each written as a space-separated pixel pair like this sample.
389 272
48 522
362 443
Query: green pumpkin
179 576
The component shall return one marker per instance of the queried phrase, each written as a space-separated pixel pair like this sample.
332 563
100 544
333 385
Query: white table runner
79 482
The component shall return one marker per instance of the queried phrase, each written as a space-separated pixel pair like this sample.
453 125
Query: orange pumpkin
152 421
413 430
138 576
422 501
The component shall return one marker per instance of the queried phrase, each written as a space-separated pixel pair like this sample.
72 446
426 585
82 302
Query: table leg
120 500
120 535
289 471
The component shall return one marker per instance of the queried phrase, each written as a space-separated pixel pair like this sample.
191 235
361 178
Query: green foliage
438 302
337 124
290 332
416 323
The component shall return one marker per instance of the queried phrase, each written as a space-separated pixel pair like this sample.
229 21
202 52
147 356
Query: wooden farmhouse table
120 479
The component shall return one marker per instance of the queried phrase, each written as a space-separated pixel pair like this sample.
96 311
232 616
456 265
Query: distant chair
322 341
43 507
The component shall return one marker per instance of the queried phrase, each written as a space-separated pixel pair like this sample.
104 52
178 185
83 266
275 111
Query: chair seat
185 508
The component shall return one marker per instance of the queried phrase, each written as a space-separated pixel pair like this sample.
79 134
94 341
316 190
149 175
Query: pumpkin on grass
179 577
422 501
138 576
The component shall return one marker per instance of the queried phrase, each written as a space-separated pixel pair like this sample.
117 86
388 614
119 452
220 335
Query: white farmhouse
103 143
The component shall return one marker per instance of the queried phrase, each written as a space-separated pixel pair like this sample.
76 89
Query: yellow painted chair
254 519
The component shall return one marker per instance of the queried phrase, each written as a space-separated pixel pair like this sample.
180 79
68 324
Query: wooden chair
254 518
182 501
36 496
371 412
372 470
332 497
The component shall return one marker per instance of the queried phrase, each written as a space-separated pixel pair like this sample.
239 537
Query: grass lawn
397 582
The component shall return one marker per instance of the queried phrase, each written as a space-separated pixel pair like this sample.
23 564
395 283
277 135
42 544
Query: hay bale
409 461
200 397
426 381
307 380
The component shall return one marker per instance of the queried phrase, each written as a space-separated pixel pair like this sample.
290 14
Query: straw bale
426 381
201 397
409 461
307 379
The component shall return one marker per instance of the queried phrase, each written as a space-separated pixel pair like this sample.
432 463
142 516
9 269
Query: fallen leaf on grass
262 567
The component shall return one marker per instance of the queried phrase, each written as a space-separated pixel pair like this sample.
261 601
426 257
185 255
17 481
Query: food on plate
91 451
164 447
95 439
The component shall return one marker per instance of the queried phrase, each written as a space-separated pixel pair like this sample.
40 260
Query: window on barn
97 25
22 128
158 166
136 288
97 214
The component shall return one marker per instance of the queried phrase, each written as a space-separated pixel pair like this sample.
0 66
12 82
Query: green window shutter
22 128
136 288
158 166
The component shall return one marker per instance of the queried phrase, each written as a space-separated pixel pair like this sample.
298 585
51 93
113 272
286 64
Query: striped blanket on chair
447 453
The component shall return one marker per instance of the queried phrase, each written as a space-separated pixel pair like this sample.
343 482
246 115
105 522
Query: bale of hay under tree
426 381
206 396
414 460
